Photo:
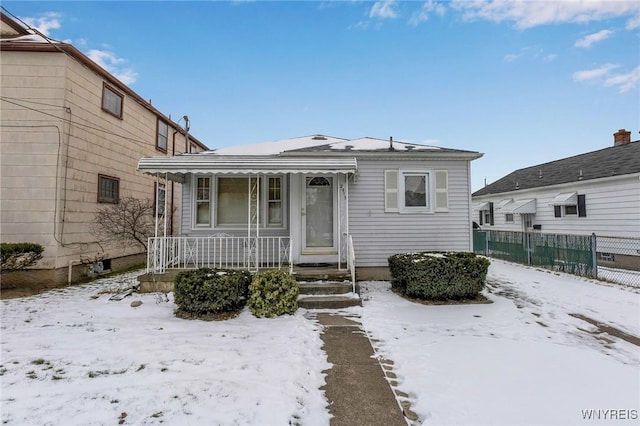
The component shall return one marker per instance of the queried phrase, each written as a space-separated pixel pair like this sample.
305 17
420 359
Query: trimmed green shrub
207 290
16 256
273 293
439 275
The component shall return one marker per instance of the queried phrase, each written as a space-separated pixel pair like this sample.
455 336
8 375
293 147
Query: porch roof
204 163
527 206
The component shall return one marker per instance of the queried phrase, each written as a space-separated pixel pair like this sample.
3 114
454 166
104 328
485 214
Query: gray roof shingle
612 161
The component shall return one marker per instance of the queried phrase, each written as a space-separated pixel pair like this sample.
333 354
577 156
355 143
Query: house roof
204 163
615 160
307 154
322 145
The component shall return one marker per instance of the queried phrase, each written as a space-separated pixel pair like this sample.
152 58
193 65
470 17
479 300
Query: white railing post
351 262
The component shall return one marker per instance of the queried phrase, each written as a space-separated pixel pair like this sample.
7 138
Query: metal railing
351 261
226 252
573 254
614 259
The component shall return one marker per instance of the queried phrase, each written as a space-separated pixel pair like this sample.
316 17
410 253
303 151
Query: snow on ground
73 357
70 359
520 360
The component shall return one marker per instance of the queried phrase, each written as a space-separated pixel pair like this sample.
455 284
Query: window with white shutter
390 190
442 191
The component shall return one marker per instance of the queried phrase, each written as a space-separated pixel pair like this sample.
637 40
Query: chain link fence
611 259
618 260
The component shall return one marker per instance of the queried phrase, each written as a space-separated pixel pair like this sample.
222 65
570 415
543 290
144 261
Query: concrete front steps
327 295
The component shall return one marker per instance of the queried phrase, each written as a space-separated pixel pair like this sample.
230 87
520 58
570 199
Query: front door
318 214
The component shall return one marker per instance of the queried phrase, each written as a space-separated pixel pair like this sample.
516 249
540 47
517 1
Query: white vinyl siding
378 234
612 208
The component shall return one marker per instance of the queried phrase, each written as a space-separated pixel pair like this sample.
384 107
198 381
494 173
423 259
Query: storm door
318 214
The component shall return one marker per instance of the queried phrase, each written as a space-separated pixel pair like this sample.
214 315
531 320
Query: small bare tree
131 221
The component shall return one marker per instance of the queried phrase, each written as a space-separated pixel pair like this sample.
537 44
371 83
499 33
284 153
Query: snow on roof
31 38
277 147
316 141
373 144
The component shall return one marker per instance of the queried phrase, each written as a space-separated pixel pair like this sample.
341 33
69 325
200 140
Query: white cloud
528 14
593 74
624 82
113 64
530 52
383 10
588 40
44 23
512 57
428 8
633 22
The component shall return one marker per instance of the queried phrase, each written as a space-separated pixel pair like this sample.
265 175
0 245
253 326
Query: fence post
528 237
594 256
486 242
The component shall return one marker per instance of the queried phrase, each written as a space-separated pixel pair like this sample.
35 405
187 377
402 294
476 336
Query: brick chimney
621 137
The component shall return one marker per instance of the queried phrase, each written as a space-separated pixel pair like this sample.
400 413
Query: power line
75 123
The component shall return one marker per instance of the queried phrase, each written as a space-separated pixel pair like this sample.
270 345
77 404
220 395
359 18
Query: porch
169 255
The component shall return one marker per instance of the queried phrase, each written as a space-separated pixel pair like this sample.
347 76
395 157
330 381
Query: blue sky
524 82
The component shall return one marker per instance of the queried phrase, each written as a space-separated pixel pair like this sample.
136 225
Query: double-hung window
274 202
108 189
111 101
162 135
203 201
416 191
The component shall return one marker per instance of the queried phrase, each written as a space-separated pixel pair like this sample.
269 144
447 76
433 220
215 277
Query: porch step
320 273
325 287
328 302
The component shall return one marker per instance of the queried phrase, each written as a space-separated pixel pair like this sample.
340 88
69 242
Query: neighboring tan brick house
71 136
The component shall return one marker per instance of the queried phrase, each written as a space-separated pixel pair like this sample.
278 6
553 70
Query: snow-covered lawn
69 359
523 359
73 357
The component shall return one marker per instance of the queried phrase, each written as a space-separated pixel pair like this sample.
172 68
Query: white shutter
442 191
390 190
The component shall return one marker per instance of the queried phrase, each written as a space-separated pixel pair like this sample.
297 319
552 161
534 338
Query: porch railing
226 252
351 261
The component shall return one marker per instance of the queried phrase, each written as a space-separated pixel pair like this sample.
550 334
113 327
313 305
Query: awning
520 206
481 206
565 199
500 205
207 163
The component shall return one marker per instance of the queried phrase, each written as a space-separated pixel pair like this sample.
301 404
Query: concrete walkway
357 388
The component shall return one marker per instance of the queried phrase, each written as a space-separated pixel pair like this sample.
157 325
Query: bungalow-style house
315 200
71 136
593 193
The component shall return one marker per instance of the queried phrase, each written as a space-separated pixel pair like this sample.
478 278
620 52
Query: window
108 189
414 188
232 202
606 257
508 217
563 206
408 191
570 210
162 136
274 202
160 198
203 201
111 101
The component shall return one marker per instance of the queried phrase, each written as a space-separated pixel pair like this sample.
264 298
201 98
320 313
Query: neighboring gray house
315 200
593 193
